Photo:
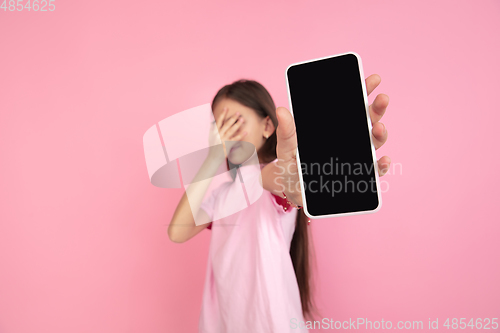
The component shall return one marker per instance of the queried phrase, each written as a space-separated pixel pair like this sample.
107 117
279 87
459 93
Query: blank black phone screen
333 136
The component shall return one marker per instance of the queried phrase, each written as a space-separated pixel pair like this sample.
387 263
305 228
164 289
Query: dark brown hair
253 95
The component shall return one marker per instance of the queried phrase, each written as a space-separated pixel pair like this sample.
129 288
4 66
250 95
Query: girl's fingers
378 107
229 133
379 135
384 163
372 82
228 123
239 136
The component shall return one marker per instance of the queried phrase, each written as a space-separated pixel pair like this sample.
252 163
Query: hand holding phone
337 166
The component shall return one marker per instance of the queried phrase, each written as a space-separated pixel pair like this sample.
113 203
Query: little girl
258 272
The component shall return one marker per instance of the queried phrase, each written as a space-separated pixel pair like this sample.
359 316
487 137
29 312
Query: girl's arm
182 227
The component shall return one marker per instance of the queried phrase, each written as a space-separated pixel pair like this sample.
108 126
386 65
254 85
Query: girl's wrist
294 197
291 202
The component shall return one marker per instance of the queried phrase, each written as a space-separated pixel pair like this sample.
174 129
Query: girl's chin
238 156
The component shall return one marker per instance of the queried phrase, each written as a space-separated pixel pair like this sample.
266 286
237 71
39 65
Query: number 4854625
479 323
36 5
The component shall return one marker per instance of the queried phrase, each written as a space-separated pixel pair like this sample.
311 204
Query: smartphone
335 153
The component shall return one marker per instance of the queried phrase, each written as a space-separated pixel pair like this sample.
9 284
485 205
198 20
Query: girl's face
256 127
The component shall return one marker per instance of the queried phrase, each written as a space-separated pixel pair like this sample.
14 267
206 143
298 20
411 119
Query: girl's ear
268 127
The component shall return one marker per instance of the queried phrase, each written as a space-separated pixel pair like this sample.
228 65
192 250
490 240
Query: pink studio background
83 233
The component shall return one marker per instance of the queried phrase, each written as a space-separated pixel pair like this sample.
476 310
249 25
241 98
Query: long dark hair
253 95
